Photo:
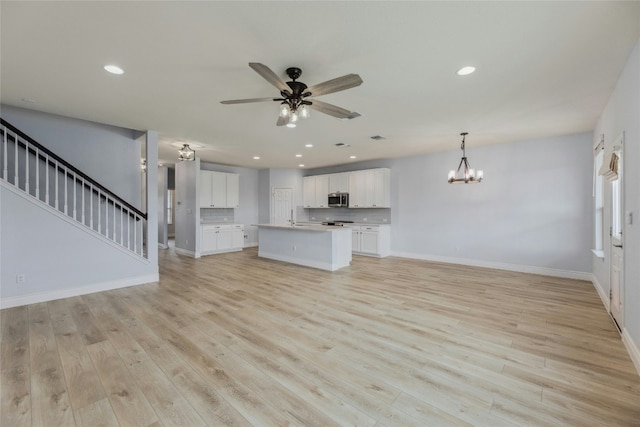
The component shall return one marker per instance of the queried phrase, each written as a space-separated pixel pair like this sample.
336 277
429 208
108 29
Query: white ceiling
543 68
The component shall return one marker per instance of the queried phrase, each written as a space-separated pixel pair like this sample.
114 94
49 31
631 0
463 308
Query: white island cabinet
323 247
219 238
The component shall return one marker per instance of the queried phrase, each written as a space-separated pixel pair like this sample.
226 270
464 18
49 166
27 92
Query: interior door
282 206
617 247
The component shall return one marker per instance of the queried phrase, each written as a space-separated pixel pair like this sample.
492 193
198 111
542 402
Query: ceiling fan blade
335 85
330 109
270 76
245 101
282 121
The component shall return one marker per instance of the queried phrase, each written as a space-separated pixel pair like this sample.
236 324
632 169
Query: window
170 207
598 202
616 204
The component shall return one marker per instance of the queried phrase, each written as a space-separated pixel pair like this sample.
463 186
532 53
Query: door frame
616 244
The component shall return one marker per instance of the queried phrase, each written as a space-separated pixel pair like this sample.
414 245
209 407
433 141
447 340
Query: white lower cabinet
219 238
372 240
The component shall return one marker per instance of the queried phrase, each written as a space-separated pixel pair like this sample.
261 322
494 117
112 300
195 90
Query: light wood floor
236 340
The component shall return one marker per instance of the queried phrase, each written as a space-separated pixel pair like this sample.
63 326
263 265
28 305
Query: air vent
342 144
377 137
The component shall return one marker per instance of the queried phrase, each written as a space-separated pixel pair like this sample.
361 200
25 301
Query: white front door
282 206
617 253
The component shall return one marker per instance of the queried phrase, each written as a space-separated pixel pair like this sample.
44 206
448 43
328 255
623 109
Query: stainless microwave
338 200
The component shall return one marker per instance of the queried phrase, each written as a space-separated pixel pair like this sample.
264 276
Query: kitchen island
318 246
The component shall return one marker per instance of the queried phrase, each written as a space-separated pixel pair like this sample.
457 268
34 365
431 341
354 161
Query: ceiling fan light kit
464 174
296 98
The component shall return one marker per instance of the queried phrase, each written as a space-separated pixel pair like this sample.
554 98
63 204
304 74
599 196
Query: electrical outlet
294 248
20 278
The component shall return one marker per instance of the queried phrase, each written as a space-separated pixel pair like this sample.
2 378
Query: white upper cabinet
219 190
381 188
339 182
357 189
315 191
309 191
370 188
322 191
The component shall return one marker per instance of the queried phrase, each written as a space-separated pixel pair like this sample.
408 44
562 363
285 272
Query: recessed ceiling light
301 165
114 69
466 70
291 125
308 145
352 157
298 155
256 157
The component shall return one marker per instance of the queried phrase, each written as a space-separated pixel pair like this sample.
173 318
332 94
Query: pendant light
464 174
186 153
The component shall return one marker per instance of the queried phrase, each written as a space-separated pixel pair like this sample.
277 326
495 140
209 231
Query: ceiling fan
296 97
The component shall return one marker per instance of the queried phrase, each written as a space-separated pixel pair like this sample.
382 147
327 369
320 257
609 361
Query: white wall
532 212
277 178
57 257
163 187
187 208
622 114
108 154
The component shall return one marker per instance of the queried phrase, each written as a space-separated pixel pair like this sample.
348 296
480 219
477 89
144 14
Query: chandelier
464 174
186 153
292 109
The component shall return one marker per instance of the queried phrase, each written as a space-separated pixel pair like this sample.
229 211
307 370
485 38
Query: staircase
32 169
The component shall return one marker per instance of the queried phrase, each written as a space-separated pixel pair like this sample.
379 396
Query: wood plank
49 397
96 414
15 393
127 400
83 384
15 368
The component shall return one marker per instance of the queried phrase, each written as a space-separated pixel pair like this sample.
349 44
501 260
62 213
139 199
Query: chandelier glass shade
186 153
464 174
293 109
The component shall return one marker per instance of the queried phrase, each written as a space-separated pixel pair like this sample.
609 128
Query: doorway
282 206
617 233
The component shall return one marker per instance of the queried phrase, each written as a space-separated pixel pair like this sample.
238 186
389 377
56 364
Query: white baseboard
187 252
568 274
632 348
251 245
82 290
307 263
601 293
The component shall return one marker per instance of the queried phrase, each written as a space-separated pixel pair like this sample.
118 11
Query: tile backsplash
373 215
216 215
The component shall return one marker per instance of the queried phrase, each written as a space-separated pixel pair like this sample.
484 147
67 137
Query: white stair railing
43 175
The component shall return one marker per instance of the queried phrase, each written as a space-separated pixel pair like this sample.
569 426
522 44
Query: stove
337 223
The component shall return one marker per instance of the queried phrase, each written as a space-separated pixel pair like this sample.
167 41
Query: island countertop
305 227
